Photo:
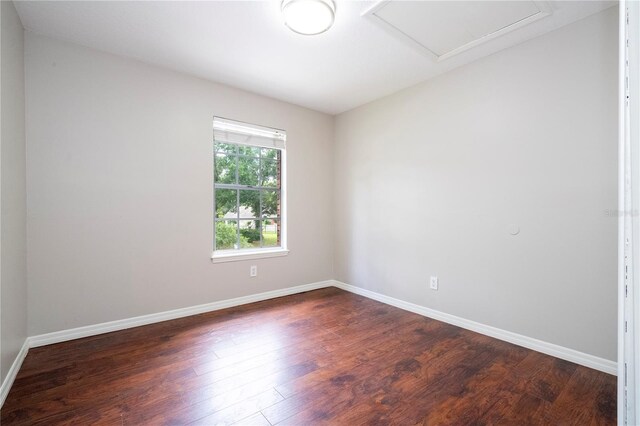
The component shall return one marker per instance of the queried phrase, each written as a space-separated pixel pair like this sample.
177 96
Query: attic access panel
442 29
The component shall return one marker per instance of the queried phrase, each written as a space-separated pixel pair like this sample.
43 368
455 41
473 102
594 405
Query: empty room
319 212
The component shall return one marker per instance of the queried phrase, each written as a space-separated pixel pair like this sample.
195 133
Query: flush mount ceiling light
308 17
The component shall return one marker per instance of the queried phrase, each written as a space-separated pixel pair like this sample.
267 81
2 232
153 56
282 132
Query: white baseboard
13 372
562 352
107 327
577 357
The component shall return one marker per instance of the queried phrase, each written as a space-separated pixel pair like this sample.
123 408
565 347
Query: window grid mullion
249 187
238 219
233 219
238 197
259 213
215 236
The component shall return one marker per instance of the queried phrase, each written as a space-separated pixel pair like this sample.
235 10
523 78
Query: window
249 191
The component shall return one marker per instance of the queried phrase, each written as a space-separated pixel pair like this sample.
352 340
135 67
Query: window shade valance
230 131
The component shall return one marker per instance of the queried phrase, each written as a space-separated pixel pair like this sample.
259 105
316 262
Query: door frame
629 206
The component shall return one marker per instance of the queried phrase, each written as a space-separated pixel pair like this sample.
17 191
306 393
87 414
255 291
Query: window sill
247 255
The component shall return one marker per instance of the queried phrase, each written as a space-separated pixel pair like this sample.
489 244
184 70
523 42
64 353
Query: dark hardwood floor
322 357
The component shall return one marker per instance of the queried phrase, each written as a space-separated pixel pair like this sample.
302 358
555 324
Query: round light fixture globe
308 17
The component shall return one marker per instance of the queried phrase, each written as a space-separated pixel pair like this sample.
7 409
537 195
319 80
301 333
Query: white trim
629 204
13 372
241 133
283 200
517 339
622 199
107 327
235 255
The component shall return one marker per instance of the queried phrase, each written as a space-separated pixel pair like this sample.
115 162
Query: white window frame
262 135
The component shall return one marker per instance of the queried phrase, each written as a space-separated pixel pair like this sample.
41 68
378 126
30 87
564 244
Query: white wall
13 271
120 189
428 180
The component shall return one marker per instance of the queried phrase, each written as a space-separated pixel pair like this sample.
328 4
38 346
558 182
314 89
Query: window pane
249 233
226 235
252 151
270 154
248 169
249 203
269 174
270 233
226 203
270 203
227 148
225 170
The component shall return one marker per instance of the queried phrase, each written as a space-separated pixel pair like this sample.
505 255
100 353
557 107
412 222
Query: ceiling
245 44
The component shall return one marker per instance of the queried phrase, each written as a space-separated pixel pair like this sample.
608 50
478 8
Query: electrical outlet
433 283
253 271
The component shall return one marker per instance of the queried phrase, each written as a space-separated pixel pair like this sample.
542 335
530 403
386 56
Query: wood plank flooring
322 357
